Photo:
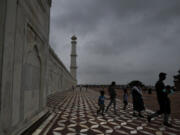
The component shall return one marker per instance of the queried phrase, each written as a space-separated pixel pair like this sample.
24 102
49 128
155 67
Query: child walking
125 99
167 107
101 103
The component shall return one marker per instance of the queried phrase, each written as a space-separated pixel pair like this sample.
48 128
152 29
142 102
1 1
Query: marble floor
75 113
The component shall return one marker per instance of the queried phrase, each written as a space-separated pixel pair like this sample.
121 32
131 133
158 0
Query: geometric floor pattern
74 113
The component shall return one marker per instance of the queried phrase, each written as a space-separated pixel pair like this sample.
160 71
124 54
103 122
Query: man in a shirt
161 97
112 94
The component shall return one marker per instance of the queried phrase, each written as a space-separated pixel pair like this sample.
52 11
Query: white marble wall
29 68
59 78
2 18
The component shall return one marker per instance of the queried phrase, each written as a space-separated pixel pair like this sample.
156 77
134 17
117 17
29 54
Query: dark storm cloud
119 39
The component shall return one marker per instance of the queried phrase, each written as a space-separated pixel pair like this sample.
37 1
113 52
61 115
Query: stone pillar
9 25
2 24
73 66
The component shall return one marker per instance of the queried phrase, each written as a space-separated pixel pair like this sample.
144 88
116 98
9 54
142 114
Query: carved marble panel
31 76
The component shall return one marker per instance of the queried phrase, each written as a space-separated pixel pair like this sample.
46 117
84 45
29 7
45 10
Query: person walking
168 90
138 103
125 98
101 103
162 100
112 94
80 88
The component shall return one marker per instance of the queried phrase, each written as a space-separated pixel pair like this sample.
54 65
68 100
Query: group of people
162 92
80 88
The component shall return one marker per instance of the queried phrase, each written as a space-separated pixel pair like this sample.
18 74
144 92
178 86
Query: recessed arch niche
31 76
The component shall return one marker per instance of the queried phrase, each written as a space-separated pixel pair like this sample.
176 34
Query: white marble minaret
73 66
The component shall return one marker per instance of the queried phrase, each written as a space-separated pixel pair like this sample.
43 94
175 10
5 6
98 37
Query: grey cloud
119 39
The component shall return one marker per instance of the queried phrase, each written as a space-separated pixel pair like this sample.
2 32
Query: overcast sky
118 40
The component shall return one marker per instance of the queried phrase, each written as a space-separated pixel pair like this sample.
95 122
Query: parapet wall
59 78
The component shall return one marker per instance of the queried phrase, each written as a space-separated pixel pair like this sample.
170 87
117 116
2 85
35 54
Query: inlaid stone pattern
76 114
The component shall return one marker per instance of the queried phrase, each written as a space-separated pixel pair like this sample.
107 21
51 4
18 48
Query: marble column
73 66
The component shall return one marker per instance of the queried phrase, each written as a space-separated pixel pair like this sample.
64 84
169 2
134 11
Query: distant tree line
132 83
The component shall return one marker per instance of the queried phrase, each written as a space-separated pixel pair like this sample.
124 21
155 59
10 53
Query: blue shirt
170 92
125 97
101 100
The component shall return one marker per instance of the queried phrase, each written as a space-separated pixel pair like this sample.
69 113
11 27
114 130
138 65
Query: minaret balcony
73 55
73 67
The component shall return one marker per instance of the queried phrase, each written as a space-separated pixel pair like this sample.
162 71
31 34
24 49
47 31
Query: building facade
29 69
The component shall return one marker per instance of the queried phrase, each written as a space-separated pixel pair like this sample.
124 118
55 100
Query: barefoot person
162 100
112 94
